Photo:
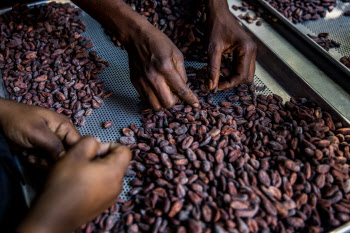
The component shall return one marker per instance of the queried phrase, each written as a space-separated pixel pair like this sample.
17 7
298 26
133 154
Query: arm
156 66
225 36
115 15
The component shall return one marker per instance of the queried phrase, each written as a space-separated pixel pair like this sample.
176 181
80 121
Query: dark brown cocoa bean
107 124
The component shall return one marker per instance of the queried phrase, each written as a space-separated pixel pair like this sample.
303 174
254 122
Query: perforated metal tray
335 23
122 107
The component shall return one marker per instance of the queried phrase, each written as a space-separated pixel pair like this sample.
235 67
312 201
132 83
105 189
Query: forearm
115 15
5 107
43 219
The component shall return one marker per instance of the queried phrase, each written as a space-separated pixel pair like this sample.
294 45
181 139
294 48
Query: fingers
47 141
245 71
137 85
180 67
118 157
163 93
214 64
149 95
68 134
106 147
182 90
86 148
252 68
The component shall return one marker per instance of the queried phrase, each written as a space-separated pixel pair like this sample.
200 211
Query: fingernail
114 145
61 154
196 105
211 84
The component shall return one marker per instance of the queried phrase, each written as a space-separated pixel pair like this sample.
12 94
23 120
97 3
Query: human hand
79 188
225 36
156 66
31 127
157 69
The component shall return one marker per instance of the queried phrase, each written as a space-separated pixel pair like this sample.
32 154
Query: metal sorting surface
286 44
122 107
335 23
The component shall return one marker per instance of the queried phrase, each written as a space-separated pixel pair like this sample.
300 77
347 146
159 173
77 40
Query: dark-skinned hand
79 188
31 127
226 35
157 69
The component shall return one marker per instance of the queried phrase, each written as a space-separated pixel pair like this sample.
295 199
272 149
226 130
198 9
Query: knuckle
249 46
65 125
213 47
152 77
124 150
156 107
149 74
250 78
245 79
164 64
179 56
169 104
183 92
57 147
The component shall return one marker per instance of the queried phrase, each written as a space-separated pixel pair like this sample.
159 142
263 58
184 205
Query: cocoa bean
46 67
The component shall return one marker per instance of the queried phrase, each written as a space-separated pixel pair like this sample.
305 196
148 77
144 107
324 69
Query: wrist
45 217
37 223
28 227
3 109
116 16
217 8
136 27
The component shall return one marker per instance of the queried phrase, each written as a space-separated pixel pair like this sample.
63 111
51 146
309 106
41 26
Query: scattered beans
301 11
261 166
259 12
107 124
324 42
346 61
45 62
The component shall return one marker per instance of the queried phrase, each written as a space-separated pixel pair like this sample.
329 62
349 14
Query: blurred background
8 3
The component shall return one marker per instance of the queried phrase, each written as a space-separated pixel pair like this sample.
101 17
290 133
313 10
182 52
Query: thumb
119 157
86 148
214 64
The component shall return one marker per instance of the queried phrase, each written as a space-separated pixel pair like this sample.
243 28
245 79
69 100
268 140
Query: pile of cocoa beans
181 20
45 62
260 166
299 11
322 40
